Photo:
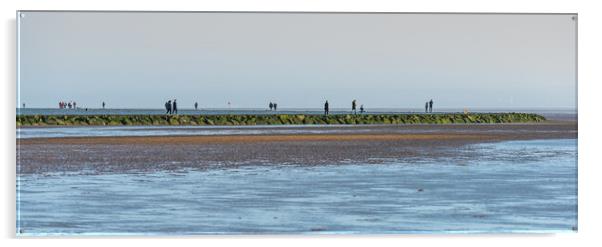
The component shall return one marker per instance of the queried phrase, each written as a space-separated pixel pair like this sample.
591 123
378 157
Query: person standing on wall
326 108
174 107
168 107
353 105
431 105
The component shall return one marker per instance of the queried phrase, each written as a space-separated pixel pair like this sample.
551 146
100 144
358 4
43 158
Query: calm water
517 186
44 132
94 131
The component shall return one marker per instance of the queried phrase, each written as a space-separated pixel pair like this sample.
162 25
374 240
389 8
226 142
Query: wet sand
372 144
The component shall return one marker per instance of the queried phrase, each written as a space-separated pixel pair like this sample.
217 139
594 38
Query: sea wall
274 119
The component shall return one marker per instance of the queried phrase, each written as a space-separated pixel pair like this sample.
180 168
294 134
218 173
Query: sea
527 186
513 186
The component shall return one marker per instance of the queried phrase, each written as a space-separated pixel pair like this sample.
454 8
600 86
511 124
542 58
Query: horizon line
304 108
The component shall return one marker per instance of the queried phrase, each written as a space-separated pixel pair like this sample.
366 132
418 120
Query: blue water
91 131
516 186
95 131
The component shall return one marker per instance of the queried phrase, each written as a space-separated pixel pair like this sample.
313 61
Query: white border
589 116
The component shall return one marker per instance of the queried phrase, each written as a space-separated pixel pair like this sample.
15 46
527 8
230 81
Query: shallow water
517 186
93 131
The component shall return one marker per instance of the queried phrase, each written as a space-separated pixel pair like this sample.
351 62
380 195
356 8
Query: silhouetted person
74 104
275 107
174 107
23 105
426 107
271 106
168 107
69 105
431 106
103 105
362 109
353 104
326 108
196 105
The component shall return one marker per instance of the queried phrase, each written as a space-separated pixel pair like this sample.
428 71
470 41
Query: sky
299 60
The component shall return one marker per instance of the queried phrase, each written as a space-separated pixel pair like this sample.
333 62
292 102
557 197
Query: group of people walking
67 105
428 106
353 107
71 105
171 107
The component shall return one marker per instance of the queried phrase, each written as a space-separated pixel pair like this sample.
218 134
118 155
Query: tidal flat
376 179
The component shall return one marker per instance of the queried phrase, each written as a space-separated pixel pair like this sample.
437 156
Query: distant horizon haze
139 60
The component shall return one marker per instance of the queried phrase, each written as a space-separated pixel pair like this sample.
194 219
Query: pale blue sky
140 60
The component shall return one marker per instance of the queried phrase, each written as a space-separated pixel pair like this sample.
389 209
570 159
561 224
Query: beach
478 178
297 179
292 145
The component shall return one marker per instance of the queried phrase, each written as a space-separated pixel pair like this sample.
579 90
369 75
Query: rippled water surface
185 130
95 131
524 186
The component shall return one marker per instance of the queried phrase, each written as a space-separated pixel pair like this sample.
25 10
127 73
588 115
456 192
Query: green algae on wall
275 119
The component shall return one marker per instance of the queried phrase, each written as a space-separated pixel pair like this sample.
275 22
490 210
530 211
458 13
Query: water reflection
512 186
